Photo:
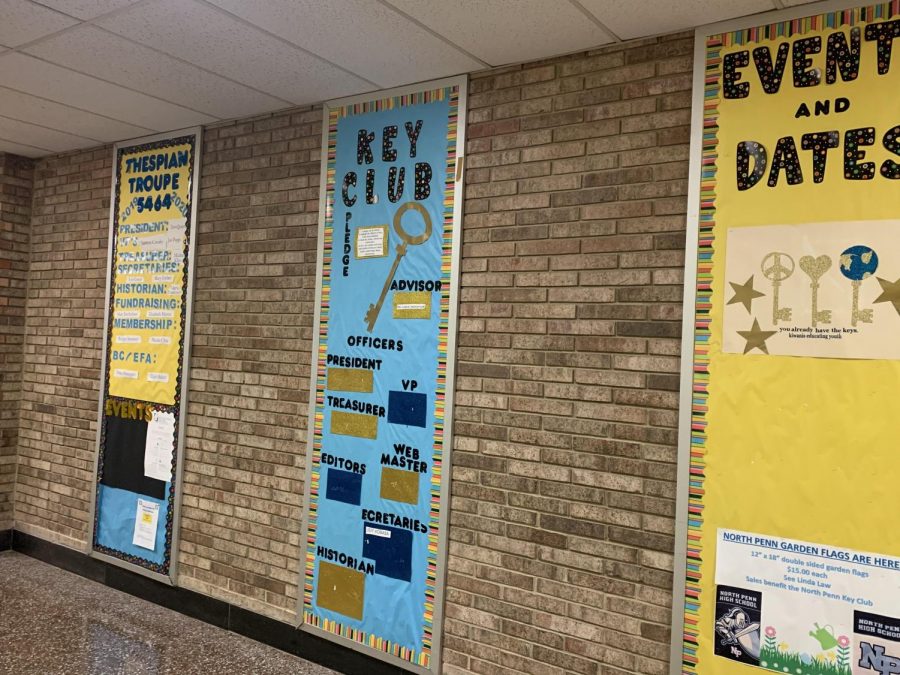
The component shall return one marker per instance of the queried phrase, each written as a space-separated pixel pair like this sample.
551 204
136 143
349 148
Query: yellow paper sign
412 305
149 282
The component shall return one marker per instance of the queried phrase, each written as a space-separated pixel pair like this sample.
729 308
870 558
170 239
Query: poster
813 608
792 332
814 289
146 524
379 438
146 346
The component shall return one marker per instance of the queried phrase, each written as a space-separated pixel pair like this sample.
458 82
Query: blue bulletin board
379 424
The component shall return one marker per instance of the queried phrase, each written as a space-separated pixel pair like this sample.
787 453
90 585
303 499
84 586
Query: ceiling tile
223 44
40 137
96 52
33 76
508 31
362 36
87 9
23 150
24 21
20 106
629 19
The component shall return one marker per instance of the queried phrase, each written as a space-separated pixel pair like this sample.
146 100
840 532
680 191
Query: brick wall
15 215
253 314
565 452
562 509
63 336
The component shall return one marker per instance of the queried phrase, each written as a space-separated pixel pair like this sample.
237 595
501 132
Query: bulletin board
380 437
788 555
146 352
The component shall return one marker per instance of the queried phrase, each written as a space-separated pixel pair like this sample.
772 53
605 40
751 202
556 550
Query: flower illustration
783 646
770 631
844 641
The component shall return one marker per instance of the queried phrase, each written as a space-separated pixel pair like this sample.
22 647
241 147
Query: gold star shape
744 293
756 338
890 292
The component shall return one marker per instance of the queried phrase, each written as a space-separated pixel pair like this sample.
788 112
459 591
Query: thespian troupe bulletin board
379 443
146 352
789 556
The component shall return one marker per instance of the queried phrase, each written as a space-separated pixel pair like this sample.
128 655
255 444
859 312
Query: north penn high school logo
872 657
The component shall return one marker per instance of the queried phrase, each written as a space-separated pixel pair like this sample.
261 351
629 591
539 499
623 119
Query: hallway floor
53 622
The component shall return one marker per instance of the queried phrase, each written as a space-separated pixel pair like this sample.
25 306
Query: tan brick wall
564 460
253 314
564 464
61 373
15 215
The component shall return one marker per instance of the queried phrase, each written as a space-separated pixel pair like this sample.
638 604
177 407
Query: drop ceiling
80 73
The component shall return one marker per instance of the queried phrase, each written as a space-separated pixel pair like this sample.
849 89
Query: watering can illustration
824 635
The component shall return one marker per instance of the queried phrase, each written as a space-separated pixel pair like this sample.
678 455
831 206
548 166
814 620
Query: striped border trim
420 657
806 24
703 300
700 369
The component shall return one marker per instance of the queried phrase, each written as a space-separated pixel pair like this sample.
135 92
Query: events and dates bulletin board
789 553
379 442
146 348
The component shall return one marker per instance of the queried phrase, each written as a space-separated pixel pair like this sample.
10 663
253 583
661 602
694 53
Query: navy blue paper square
406 407
343 486
390 548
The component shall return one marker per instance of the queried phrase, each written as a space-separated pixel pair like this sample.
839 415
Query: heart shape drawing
815 267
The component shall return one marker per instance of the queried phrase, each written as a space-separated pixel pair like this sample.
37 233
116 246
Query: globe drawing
858 263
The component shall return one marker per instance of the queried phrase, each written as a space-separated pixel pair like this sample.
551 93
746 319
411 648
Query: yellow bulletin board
153 194
787 556
142 404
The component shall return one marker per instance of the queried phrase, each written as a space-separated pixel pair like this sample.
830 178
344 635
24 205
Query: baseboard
219 613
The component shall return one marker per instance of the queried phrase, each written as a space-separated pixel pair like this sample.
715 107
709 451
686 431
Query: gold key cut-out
858 263
407 240
777 271
815 268
857 314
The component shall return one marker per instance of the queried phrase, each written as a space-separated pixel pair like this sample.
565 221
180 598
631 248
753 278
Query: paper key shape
815 268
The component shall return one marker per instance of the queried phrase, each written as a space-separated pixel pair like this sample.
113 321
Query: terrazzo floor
54 622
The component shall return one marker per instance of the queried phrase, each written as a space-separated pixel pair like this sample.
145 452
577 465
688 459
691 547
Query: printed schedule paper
145 524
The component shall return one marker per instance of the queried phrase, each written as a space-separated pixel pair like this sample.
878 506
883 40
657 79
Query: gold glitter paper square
341 590
371 242
412 305
350 379
399 486
354 424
